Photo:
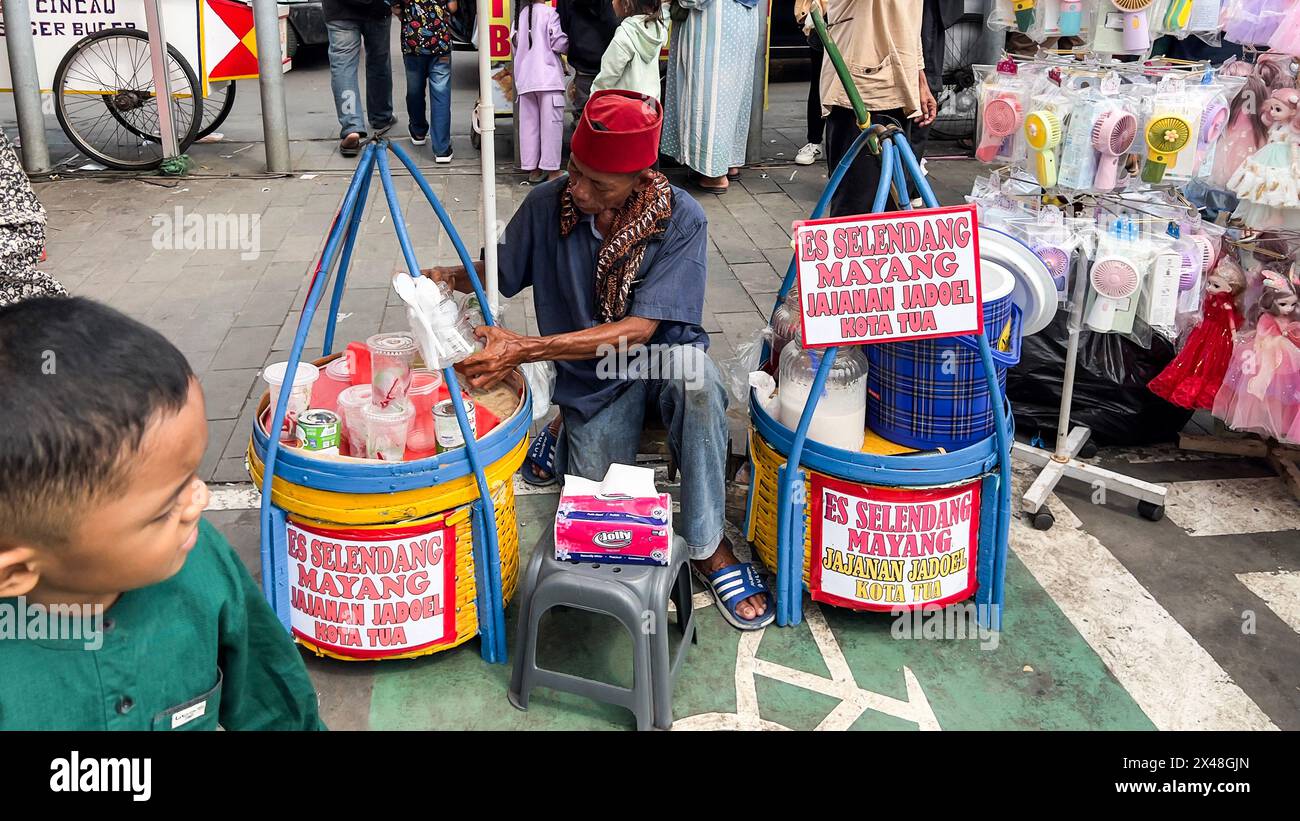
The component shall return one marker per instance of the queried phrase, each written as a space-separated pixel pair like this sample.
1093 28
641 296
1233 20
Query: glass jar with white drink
840 418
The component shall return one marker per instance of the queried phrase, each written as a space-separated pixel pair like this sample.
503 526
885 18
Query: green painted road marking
961 685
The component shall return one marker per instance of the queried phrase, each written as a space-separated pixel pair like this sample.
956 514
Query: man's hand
929 107
443 273
503 352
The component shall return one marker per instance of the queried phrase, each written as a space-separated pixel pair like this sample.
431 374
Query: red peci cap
618 132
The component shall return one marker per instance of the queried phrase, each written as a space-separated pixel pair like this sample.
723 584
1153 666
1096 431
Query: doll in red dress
1193 378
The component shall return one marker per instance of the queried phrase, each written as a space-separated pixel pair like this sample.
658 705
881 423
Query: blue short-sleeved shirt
562 272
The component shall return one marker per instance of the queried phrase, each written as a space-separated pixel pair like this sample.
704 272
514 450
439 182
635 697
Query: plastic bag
541 382
1110 393
435 321
748 359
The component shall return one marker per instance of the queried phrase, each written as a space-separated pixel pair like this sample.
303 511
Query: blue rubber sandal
733 584
542 455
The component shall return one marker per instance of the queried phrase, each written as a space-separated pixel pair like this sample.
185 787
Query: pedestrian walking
426 55
538 42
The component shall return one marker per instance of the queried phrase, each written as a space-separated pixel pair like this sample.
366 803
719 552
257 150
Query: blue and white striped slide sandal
733 584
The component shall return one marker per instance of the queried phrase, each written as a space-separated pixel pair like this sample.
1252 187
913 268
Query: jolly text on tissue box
621 519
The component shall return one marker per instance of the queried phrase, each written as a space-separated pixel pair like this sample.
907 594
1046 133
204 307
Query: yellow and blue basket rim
908 470
387 477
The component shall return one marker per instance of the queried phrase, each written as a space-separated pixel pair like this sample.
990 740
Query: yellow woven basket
448 503
762 505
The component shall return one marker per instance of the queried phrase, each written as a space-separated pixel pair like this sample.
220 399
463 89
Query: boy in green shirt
102 429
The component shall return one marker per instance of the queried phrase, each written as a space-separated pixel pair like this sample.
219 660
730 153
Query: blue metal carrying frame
343 232
897 164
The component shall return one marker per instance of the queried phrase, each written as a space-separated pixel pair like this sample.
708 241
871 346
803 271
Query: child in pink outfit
538 42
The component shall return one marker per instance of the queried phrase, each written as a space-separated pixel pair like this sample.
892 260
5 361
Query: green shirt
200 649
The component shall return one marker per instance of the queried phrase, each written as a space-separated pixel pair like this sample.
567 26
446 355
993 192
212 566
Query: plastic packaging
435 321
1252 22
999 128
541 381
745 361
765 392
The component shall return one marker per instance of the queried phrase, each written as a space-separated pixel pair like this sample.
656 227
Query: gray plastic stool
626 592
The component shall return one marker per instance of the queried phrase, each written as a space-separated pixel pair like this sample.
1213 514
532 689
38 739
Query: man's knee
344 41
695 378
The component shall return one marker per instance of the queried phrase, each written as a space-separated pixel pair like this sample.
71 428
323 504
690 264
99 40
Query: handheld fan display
1137 32
1115 282
1043 133
1177 15
1001 117
1166 136
1112 137
1057 262
1071 19
1024 10
1196 262
1213 122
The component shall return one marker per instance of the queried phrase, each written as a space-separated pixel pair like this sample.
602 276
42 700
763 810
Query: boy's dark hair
79 385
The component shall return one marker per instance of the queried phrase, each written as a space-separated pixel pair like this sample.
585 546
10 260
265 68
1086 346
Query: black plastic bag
1110 387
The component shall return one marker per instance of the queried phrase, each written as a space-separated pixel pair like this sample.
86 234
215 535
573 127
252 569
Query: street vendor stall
396 547
882 481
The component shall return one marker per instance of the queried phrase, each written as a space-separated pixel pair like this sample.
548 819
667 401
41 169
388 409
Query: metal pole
754 145
991 42
270 82
27 85
162 85
487 116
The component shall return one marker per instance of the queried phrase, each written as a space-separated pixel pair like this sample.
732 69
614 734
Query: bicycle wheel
105 101
957 101
221 98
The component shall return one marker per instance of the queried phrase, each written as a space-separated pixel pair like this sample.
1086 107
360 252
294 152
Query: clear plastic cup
387 428
392 358
351 404
422 440
300 394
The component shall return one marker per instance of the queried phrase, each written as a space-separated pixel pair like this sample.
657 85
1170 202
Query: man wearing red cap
616 258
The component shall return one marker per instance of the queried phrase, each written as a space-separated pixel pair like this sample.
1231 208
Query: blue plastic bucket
932 393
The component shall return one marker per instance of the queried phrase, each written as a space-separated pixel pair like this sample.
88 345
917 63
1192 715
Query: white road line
1280 590
1171 677
1220 507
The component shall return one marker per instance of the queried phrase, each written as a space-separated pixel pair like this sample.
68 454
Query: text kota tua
899 530
394 579
878 274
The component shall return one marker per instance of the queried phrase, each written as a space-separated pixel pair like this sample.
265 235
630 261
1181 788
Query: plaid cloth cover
915 400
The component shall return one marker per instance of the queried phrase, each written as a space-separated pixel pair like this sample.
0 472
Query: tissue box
620 520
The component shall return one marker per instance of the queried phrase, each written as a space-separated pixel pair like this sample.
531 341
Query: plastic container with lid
352 401
335 378
786 326
387 428
299 397
840 419
392 358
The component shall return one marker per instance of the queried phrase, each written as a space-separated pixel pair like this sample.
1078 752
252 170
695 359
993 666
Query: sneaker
443 158
808 154
421 140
